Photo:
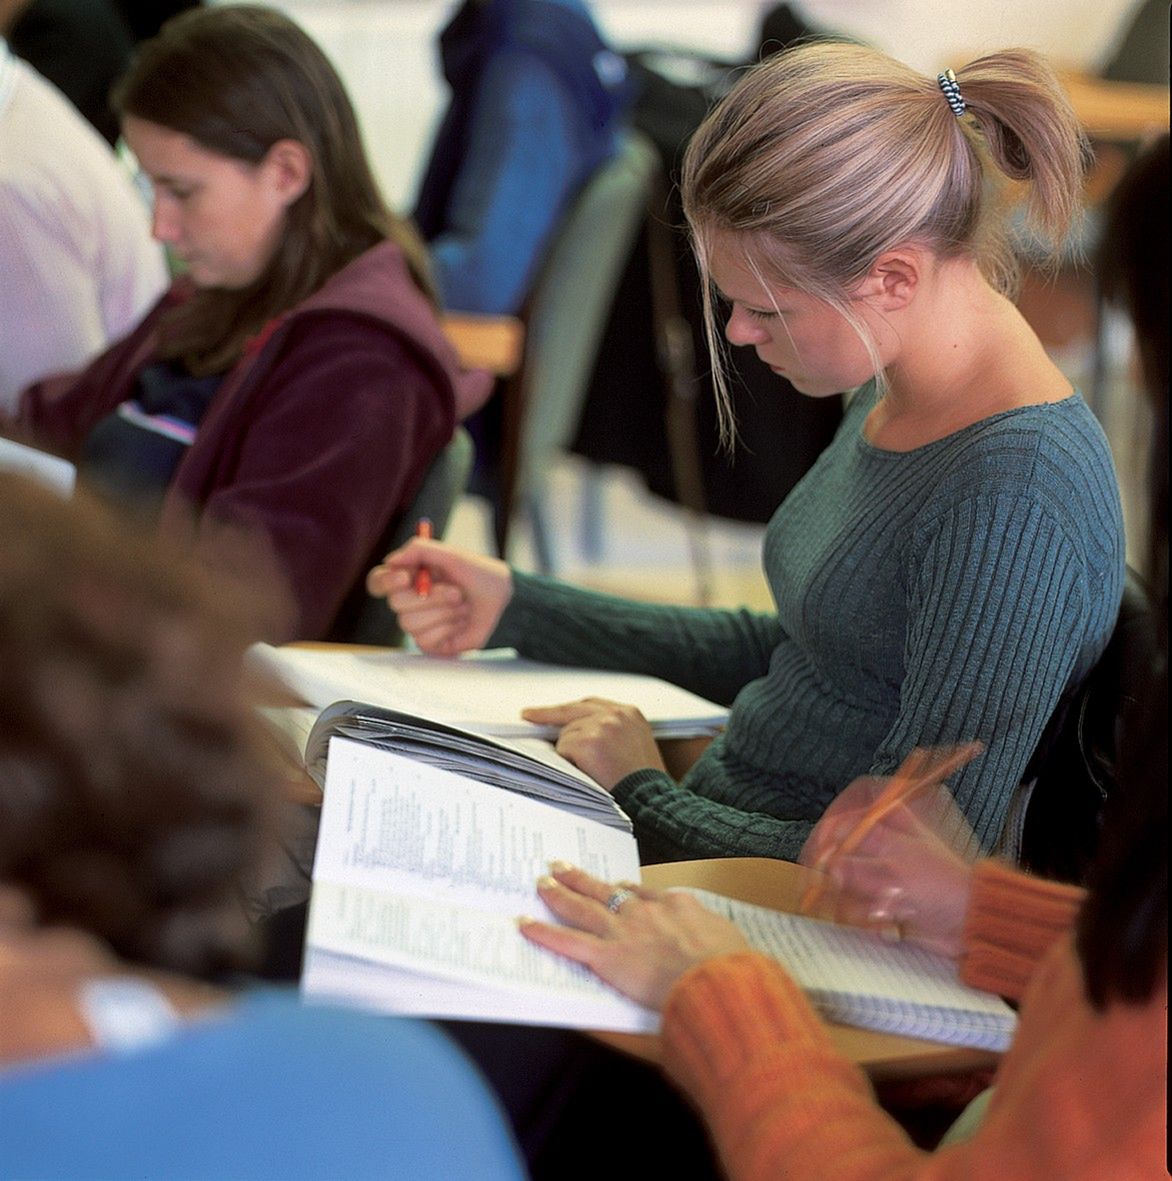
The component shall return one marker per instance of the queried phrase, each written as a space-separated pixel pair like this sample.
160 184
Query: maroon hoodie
313 444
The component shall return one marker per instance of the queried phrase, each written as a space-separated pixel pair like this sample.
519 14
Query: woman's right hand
459 611
908 879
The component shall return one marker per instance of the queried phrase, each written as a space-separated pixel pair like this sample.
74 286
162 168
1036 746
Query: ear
290 169
893 280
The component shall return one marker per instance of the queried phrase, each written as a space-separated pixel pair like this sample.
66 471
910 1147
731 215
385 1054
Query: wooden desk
494 343
1117 110
768 882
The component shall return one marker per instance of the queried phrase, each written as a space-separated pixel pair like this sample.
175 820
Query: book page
419 879
393 824
291 725
484 691
462 962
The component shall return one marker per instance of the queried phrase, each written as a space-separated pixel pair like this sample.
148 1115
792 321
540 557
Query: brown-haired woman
295 383
135 799
953 563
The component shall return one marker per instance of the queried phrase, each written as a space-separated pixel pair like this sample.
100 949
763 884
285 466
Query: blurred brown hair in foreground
134 789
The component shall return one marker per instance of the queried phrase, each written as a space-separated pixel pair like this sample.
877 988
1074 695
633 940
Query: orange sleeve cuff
1013 920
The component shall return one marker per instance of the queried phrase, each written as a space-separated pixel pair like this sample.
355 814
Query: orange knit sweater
1080 1095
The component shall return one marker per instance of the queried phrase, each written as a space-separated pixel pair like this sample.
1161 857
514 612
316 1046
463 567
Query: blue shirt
268 1089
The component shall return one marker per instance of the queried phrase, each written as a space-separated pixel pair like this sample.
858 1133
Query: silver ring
615 901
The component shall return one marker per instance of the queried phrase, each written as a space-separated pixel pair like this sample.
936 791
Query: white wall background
385 49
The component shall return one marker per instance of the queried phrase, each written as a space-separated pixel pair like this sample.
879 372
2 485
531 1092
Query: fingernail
525 920
547 883
560 866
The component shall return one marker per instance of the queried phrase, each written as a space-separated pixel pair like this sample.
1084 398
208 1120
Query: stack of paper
529 766
480 691
55 473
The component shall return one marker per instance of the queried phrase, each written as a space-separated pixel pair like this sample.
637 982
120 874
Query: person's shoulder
56 161
376 283
1039 446
1048 462
373 305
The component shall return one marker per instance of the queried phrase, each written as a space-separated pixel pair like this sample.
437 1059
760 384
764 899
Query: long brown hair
237 80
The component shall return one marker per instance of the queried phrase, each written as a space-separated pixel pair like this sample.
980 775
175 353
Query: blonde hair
825 156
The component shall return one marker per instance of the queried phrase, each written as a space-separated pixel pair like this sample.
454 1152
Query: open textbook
480 691
420 875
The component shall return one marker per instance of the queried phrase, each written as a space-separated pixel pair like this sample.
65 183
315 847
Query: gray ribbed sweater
937 595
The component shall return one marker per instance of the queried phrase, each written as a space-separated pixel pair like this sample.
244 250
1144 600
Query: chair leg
591 509
696 528
539 527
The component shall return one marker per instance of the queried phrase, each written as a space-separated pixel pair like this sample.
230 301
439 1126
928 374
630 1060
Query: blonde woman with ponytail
1082 1092
953 563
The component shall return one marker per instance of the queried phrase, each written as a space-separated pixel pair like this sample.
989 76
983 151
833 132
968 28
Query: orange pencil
920 770
423 574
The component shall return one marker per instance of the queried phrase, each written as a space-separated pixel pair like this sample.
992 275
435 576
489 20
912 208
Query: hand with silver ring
640 950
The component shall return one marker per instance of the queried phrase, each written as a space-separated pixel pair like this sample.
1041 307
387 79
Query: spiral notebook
853 978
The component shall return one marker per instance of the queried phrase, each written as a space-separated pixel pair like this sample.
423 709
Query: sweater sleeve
711 652
674 823
741 1039
1080 1094
1013 921
999 611
57 411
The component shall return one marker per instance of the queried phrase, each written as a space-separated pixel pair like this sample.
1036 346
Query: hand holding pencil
448 600
895 854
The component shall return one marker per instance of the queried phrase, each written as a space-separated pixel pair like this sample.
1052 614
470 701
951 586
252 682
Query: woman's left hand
641 943
605 739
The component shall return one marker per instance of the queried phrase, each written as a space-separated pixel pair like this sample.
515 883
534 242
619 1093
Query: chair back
443 485
564 318
1072 774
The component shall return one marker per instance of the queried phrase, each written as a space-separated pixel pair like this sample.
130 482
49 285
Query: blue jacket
537 99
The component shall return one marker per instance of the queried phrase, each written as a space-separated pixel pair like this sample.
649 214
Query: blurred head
1133 266
827 156
1123 928
133 793
262 182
